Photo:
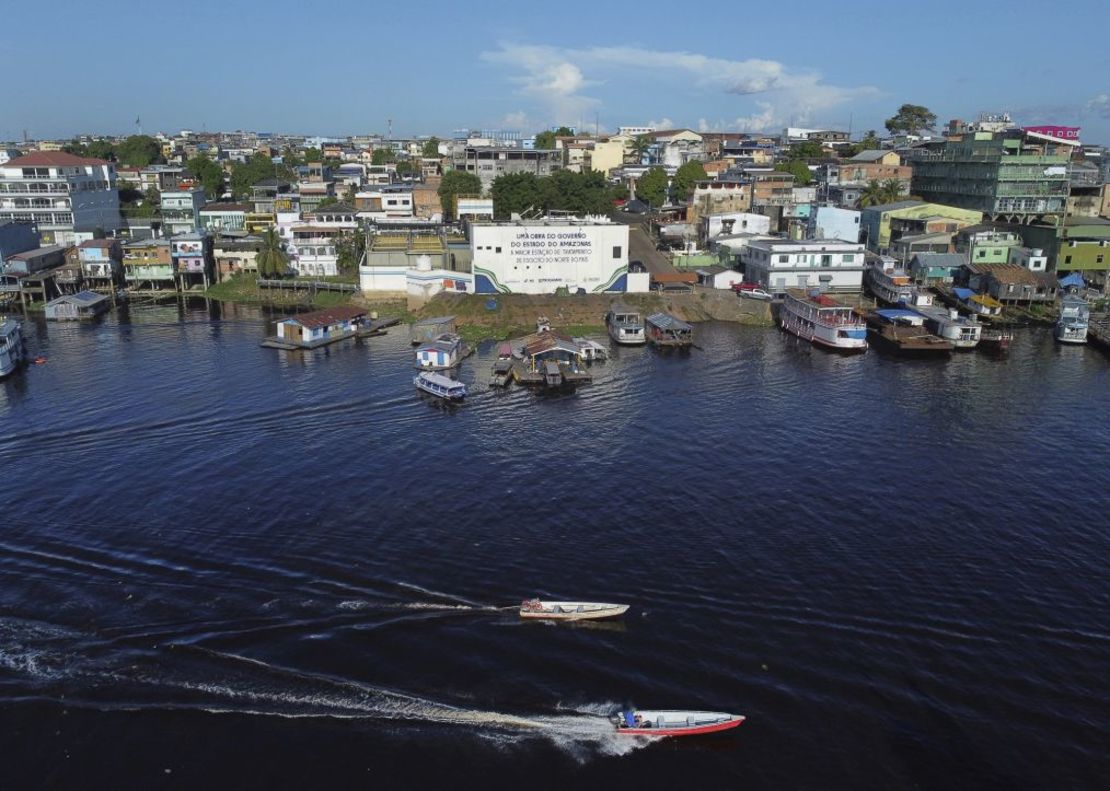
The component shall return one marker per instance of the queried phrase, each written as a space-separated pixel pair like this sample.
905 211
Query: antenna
390 122
138 125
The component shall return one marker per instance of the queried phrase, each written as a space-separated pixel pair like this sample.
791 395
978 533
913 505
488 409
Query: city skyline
224 68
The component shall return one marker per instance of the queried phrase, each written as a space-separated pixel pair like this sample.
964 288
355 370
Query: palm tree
272 259
892 190
872 195
639 147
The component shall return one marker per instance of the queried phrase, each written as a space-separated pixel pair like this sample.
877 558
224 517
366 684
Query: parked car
754 293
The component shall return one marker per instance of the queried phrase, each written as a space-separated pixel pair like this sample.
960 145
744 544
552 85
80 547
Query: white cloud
1100 105
558 78
662 123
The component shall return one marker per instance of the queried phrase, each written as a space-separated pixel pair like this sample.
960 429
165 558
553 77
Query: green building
986 244
875 221
1078 244
1012 176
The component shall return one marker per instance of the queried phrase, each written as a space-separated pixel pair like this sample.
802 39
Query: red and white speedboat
642 722
570 610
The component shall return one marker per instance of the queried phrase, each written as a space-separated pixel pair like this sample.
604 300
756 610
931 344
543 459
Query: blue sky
434 66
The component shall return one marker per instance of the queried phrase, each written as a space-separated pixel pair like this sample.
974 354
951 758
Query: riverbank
244 289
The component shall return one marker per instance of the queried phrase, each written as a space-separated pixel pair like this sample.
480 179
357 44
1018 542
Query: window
497 249
1067 259
847 259
826 260
1098 259
616 251
784 259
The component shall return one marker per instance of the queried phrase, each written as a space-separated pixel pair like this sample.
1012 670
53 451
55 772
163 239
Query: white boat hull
570 610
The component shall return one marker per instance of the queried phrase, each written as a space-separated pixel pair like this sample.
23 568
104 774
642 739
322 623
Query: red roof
104 243
322 318
56 159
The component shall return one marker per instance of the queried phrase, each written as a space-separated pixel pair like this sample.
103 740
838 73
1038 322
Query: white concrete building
66 196
540 256
1032 258
831 222
828 264
734 222
382 202
181 211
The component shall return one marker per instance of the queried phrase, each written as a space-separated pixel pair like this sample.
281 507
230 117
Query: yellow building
606 155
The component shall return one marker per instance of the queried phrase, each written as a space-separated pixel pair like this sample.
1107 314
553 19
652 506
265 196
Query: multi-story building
101 262
67 197
1077 244
986 244
147 265
830 222
771 187
865 167
376 203
910 217
224 216
313 251
193 261
233 256
828 264
489 162
717 197
181 210
1011 176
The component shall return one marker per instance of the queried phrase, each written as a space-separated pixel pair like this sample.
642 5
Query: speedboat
570 610
440 386
640 722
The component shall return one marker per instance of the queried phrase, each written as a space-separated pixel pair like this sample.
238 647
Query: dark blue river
228 566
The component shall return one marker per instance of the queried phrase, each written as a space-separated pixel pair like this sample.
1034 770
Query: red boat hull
699 730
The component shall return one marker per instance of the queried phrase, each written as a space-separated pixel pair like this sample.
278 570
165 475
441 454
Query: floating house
446 351
73 307
427 330
981 304
309 330
663 329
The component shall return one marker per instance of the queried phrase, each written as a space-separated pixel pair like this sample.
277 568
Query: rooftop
56 159
322 318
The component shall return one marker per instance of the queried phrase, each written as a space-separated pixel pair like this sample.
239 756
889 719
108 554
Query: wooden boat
501 373
440 386
995 339
570 610
663 329
673 723
823 321
902 332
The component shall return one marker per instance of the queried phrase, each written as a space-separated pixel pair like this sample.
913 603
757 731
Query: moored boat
590 350
570 610
823 320
625 325
12 348
892 285
1075 316
963 331
440 386
902 332
663 329
995 339
645 722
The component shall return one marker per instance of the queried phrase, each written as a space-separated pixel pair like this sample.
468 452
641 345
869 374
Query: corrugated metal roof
665 321
322 318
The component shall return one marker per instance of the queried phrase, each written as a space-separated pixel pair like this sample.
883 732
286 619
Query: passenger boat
963 331
1075 316
822 320
440 386
501 373
625 325
645 722
892 285
902 332
12 348
663 329
570 610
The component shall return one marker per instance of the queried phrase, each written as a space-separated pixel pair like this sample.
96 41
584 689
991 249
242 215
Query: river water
225 565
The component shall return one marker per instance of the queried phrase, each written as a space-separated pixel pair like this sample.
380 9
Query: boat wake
184 675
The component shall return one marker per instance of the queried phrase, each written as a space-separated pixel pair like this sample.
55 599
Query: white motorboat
570 610
625 325
642 722
1075 315
440 386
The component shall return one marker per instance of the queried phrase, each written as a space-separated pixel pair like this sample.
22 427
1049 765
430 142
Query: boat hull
702 723
627 336
572 611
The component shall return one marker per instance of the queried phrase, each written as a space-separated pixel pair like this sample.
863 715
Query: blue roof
890 314
1074 279
963 293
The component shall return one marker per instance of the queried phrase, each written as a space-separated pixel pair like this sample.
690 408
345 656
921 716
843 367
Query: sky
434 66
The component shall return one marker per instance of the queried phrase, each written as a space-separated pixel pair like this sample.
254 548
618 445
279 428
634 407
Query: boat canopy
963 293
899 314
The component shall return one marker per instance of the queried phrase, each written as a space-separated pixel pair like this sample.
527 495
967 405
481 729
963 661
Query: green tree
564 131
807 149
871 195
802 176
272 259
911 119
545 141
382 156
290 158
578 193
129 194
311 155
246 174
408 168
652 187
209 174
893 190
139 151
640 146
453 184
516 193
682 186
431 147
349 249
